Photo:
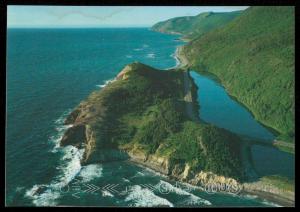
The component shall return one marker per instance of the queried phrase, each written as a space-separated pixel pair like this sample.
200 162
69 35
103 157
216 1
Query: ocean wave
106 83
89 172
191 200
142 197
150 55
138 174
148 171
268 203
107 194
176 58
263 201
129 56
60 129
138 49
47 194
125 180
47 198
145 45
249 196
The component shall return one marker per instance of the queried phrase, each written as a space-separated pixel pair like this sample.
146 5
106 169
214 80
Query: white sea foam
47 198
192 199
107 194
138 174
142 197
69 168
150 55
249 196
60 129
106 83
47 194
271 203
175 56
125 180
148 171
265 202
89 172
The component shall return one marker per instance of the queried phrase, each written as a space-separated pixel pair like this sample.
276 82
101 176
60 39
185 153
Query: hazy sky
101 16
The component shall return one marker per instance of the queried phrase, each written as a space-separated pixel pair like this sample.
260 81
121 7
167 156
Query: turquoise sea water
49 71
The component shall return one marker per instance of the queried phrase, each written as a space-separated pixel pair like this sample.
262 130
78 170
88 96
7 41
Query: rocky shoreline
81 135
183 62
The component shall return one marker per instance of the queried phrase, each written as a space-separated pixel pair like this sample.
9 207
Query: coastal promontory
151 117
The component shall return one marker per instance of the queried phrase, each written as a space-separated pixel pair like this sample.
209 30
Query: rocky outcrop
105 155
122 75
183 172
75 136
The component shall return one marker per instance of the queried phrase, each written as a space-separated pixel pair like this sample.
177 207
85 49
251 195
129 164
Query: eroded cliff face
90 118
183 172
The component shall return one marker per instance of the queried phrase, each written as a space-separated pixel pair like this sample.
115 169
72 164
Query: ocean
49 72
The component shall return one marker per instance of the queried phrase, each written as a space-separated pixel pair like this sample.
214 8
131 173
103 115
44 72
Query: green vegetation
253 56
194 26
205 147
144 110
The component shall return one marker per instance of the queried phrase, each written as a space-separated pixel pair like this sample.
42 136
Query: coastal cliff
144 115
219 53
194 26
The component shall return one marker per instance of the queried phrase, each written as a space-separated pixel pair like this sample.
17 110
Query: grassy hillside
253 56
193 26
144 110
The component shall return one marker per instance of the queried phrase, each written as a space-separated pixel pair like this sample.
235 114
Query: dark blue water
271 161
49 71
217 107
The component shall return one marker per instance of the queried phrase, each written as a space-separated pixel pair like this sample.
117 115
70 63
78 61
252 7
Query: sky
102 16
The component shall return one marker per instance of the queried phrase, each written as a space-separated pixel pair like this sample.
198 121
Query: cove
218 108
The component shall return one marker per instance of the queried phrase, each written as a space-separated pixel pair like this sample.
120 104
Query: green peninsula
145 115
194 26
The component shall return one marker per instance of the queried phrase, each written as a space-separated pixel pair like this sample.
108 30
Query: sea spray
47 194
106 83
60 129
191 198
143 197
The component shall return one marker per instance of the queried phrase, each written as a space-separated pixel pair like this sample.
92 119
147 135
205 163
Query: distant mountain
193 26
253 56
